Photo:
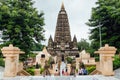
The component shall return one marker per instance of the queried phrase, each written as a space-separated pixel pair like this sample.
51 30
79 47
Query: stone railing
20 66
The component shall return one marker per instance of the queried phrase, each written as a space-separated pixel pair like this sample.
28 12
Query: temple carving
62 43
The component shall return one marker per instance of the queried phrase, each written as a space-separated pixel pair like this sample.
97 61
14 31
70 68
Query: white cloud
78 11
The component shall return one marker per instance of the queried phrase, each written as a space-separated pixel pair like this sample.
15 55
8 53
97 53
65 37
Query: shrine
62 45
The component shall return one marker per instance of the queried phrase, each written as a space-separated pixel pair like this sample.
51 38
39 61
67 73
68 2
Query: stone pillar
54 67
37 72
77 63
69 68
106 59
42 61
20 66
11 55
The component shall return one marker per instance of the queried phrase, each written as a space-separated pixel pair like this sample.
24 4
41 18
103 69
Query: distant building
62 45
43 54
86 59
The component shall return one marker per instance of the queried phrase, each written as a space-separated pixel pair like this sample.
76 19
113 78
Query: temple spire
75 42
62 45
50 42
62 32
74 39
62 6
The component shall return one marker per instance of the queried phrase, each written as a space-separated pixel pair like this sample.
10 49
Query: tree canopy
83 45
21 24
106 15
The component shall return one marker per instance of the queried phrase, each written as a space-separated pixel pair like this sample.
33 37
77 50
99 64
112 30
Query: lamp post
100 36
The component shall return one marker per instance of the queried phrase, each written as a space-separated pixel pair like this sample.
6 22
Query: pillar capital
106 50
10 50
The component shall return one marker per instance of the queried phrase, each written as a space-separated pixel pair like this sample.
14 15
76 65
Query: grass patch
31 70
90 69
2 62
116 62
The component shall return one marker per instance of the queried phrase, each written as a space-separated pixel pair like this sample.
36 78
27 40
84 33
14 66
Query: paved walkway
86 77
1 72
117 73
94 77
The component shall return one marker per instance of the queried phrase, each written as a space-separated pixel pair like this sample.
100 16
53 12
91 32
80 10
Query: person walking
80 71
63 72
84 71
66 73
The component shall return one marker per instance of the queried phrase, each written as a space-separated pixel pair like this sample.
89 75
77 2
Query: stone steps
23 73
87 77
95 72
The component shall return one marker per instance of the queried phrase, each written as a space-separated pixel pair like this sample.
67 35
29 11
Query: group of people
65 73
82 71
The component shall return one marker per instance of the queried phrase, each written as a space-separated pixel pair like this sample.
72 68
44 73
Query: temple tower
62 33
62 43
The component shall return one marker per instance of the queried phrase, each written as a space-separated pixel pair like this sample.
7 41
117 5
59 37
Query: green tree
21 24
83 44
69 60
37 47
106 15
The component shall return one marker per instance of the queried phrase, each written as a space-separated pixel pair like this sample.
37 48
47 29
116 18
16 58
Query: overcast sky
78 11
